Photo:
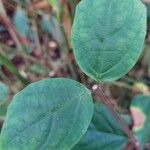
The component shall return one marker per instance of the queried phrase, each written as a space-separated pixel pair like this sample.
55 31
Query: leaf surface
51 114
108 37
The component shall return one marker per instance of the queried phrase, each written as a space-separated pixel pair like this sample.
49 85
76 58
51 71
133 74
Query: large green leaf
51 114
4 91
140 108
108 36
103 134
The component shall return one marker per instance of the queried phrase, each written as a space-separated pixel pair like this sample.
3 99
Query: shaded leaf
22 25
104 133
4 91
105 121
21 22
50 25
50 114
109 42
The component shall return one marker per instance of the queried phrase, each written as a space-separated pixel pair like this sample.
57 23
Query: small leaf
22 25
39 69
4 91
51 114
21 22
56 4
109 42
50 25
140 110
104 133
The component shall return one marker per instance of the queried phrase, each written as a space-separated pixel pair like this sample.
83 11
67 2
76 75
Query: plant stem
98 90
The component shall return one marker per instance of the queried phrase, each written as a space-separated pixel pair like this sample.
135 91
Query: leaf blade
105 41
50 116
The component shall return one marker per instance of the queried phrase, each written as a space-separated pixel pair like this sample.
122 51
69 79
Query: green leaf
105 121
4 91
51 114
50 25
140 109
108 36
21 22
104 133
22 25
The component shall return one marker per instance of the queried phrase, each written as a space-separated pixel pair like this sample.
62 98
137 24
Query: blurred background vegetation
35 43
